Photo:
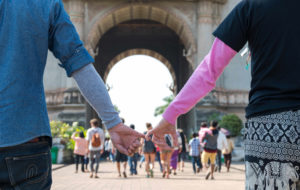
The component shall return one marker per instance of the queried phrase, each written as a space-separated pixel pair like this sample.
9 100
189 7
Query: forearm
93 89
201 82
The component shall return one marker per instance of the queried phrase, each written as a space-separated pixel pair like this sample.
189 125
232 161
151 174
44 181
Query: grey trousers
95 158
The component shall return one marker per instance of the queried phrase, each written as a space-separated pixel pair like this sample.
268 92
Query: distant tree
233 123
160 110
214 117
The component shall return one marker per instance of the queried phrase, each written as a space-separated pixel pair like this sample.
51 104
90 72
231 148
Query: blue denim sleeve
64 41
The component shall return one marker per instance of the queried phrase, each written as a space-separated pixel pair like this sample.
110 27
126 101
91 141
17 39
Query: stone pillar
208 19
75 9
76 12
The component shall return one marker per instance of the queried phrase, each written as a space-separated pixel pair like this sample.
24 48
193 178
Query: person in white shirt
96 140
222 145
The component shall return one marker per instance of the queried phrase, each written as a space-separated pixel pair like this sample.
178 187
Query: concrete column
76 12
208 19
75 9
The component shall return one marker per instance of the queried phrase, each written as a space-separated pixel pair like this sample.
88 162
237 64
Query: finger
137 134
136 144
122 149
161 143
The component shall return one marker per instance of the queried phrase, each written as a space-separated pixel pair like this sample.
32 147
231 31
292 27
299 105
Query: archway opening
149 38
137 85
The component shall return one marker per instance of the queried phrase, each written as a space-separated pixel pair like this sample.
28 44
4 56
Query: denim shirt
28 28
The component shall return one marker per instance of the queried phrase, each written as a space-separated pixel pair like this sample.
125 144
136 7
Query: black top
149 146
183 140
272 29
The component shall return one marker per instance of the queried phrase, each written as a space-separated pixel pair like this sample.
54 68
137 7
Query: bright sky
138 85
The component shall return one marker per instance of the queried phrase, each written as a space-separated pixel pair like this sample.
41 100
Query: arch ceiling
140 11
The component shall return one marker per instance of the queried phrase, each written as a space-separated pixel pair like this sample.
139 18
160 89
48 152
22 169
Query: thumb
122 149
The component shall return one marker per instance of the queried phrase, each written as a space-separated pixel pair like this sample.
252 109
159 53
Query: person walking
227 153
28 29
132 160
166 155
149 153
195 149
222 144
176 151
80 149
95 137
121 158
210 140
157 157
182 153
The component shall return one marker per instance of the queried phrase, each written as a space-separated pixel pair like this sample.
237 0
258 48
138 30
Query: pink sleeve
202 81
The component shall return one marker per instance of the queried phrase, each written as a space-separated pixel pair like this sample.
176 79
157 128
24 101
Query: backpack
96 140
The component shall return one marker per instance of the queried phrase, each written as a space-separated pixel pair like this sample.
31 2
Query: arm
73 135
202 80
93 89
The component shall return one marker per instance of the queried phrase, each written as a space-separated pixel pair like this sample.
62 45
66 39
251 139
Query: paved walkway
65 179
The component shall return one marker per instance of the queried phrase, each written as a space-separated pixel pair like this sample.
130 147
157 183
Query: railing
64 96
225 98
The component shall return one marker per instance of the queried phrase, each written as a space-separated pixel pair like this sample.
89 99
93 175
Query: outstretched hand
159 133
125 139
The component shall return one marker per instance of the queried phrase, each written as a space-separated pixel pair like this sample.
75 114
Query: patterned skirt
272 151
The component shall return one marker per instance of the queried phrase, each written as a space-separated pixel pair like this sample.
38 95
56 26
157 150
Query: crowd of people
205 148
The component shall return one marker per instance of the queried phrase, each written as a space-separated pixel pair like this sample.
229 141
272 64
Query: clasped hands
127 140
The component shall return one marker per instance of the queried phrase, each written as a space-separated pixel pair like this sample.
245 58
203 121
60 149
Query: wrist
115 127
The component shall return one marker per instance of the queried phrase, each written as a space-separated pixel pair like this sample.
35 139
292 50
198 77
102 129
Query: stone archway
146 37
127 12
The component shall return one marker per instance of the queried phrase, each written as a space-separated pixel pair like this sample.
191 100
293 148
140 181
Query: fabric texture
149 146
196 161
230 147
211 141
121 157
195 147
79 158
272 151
93 89
202 81
89 135
27 30
81 146
271 28
174 159
208 156
222 141
95 159
26 167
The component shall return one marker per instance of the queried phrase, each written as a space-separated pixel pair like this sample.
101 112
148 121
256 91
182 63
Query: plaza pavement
64 178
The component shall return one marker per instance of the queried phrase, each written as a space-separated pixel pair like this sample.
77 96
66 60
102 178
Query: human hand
125 139
159 133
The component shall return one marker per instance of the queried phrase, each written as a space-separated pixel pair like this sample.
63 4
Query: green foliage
214 117
65 131
160 110
233 123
